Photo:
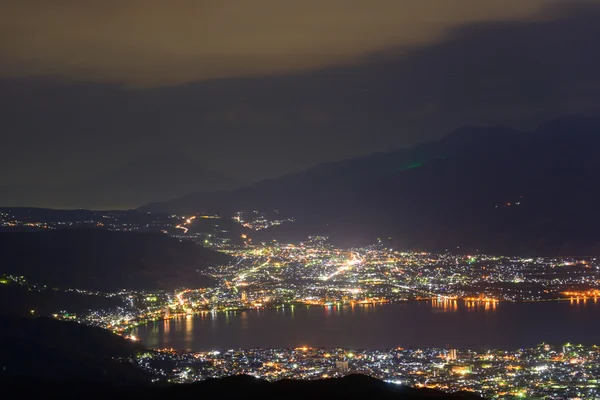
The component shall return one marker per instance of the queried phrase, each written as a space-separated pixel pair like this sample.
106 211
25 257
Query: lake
412 324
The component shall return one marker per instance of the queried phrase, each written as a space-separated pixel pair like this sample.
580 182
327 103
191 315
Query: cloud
515 73
160 42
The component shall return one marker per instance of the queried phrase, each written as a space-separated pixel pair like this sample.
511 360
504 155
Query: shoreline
215 311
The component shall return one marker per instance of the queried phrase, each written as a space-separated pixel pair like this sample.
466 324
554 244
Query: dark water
415 324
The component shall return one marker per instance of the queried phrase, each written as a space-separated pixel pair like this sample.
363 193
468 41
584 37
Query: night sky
257 89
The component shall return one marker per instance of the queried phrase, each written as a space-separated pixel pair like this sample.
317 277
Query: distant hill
491 189
105 260
155 177
16 299
48 349
239 387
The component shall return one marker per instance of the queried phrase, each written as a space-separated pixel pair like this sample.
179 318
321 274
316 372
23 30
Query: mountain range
492 189
154 177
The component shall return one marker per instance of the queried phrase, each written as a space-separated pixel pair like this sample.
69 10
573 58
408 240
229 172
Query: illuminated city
315 273
569 371
300 199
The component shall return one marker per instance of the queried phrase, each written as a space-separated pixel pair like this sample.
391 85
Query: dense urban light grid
570 371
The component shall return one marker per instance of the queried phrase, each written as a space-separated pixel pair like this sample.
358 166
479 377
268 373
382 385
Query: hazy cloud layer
160 42
516 73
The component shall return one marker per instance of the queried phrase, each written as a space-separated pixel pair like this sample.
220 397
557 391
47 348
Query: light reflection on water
444 305
436 323
189 331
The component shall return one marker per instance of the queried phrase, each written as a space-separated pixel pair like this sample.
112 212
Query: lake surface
412 324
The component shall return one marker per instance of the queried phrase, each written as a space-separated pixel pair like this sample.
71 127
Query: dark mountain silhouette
342 177
155 177
48 349
16 299
489 189
236 387
105 260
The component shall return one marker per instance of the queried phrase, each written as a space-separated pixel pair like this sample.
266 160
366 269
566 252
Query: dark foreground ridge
46 349
46 358
240 387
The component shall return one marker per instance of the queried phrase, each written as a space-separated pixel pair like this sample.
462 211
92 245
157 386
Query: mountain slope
105 260
155 177
491 189
235 387
44 348
297 191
